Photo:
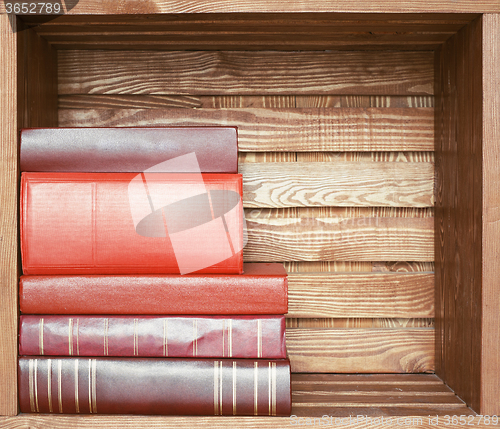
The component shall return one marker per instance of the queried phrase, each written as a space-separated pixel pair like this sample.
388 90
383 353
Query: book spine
118 336
127 149
154 295
154 386
121 223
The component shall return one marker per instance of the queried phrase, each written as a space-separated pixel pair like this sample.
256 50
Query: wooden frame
467 227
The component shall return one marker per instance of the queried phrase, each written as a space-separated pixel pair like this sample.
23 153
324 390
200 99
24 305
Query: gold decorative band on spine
106 336
77 402
216 388
94 385
269 387
90 386
78 337
136 338
220 388
273 370
59 385
230 338
36 385
31 386
234 388
40 336
70 337
49 384
165 336
255 387
259 338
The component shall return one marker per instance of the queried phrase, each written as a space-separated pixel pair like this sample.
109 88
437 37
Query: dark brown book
154 386
116 150
153 336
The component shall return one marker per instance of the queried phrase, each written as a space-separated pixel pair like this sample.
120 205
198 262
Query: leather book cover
123 150
261 289
169 386
153 336
127 223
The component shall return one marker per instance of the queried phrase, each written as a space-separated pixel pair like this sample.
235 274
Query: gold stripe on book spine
255 387
94 384
165 336
220 388
31 386
36 385
70 337
269 386
90 386
49 384
230 338
78 337
106 336
234 388
59 385
40 336
77 402
273 370
259 338
216 388
136 338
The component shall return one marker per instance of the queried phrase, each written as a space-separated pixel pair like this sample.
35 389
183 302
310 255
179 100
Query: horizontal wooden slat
350 381
245 73
354 322
292 235
304 129
343 184
361 295
357 266
361 350
118 101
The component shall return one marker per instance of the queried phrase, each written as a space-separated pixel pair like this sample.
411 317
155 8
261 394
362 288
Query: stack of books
134 296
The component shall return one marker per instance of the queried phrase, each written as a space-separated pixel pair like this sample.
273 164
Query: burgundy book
261 289
110 150
154 386
127 223
153 336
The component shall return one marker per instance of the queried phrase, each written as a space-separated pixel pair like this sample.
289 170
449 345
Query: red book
261 289
154 386
110 150
151 336
127 223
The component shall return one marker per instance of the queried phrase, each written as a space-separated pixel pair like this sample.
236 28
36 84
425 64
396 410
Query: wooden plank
361 295
376 380
357 266
245 73
490 270
294 129
329 400
344 184
317 235
118 101
356 322
95 7
8 217
361 350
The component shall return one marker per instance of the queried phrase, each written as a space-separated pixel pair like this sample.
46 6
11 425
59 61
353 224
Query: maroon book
152 336
261 289
154 386
110 150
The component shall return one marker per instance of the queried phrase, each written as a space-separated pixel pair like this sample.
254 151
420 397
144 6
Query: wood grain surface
354 322
8 218
490 269
294 129
361 350
361 295
346 184
245 73
321 235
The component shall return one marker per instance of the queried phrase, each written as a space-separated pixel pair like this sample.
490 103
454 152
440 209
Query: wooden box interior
361 146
